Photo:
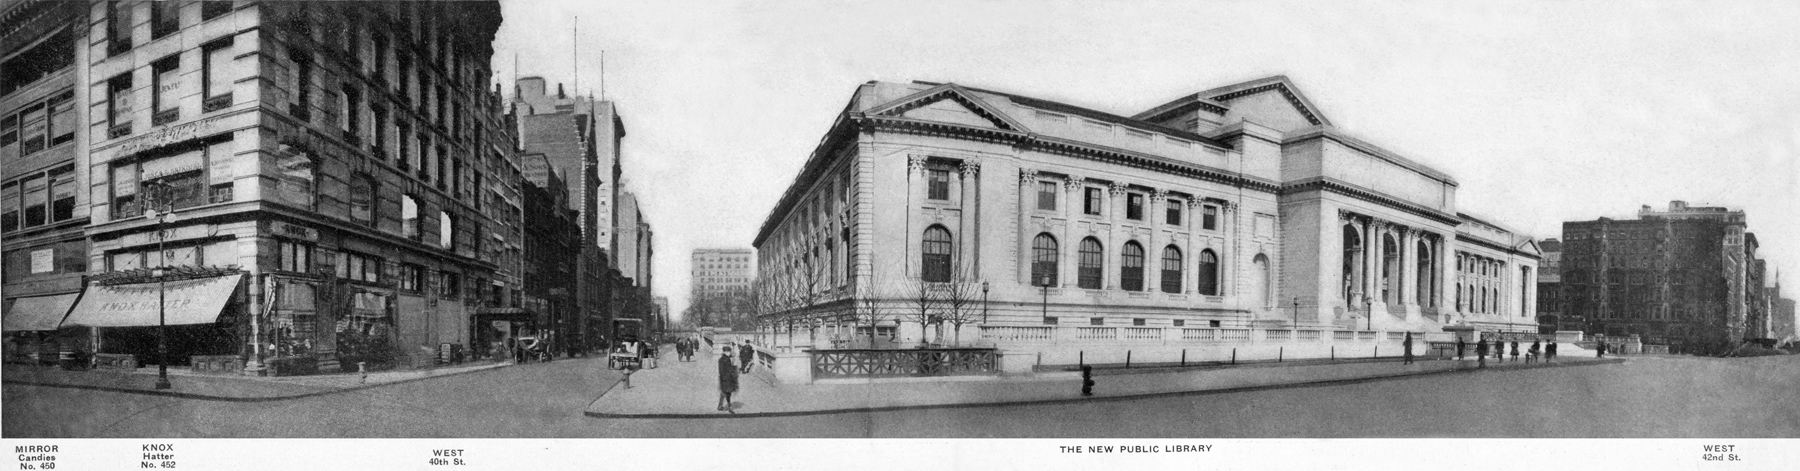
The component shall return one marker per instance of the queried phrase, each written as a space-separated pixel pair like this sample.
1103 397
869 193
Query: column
1192 285
1026 233
1115 242
1230 279
968 242
1154 218
1369 262
1409 284
915 195
1067 274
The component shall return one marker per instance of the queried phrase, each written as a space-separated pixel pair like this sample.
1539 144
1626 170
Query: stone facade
1237 207
720 294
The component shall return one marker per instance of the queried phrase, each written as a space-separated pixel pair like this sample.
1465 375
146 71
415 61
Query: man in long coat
1481 352
728 380
1408 343
1460 346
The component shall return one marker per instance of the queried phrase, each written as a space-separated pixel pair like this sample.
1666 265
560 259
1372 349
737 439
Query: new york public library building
1236 222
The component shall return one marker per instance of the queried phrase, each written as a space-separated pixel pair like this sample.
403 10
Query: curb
1127 397
205 397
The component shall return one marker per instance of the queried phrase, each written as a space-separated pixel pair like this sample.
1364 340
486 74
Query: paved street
1645 397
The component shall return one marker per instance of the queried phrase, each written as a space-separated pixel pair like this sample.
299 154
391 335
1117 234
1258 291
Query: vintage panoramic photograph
1186 221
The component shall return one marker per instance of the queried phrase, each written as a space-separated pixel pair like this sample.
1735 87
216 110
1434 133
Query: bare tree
958 298
926 299
872 303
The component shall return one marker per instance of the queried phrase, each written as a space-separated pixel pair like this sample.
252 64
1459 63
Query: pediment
949 103
1275 100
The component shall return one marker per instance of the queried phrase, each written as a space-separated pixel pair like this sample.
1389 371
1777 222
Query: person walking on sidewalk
1536 350
1408 344
747 357
1460 346
728 380
1550 351
1481 352
1515 350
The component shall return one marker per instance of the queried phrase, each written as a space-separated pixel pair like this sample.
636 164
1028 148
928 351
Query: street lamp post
984 303
1045 284
1296 312
1369 311
162 288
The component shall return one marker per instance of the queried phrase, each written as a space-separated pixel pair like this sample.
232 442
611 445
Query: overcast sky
1543 111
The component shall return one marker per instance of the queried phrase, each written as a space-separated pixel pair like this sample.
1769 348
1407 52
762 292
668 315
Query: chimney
559 91
1677 205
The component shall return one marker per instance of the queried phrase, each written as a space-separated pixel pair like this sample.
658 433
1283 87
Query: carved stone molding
1027 176
1161 195
915 163
1116 189
1072 183
970 168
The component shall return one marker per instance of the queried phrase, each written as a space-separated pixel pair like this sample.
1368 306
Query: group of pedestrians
1499 350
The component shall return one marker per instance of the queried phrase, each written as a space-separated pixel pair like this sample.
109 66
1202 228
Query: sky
1544 112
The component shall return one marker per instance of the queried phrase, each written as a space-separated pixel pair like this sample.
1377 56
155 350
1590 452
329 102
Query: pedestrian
1408 344
728 380
1459 347
1600 350
1550 351
1481 352
1515 350
747 357
1536 350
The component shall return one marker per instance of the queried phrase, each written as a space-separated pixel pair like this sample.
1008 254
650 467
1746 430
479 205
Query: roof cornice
1356 191
1327 132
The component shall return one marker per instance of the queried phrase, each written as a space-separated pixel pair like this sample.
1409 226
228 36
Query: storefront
202 315
31 328
494 330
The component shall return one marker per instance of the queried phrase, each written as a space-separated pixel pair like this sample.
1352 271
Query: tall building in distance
43 185
1686 277
720 280
1237 208
1549 292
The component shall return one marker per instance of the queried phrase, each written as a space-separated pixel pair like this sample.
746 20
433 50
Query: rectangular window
9 207
352 108
118 27
1173 212
939 184
1046 197
1180 322
1209 217
294 256
215 65
1096 321
118 105
449 284
1137 322
1091 204
378 54
1049 320
359 267
62 194
53 53
301 106
213 9
9 137
37 208
402 152
362 198
33 129
411 277
1134 207
165 80
378 124
165 18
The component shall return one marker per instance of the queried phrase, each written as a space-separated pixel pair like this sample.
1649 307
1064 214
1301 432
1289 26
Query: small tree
926 305
958 298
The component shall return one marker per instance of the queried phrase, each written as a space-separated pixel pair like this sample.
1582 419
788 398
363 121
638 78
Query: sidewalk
690 389
190 385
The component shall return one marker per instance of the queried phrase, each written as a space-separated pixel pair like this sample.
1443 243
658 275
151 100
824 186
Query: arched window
1352 269
446 230
1484 302
409 217
1089 273
1171 270
1131 267
1425 284
1043 260
1209 273
936 253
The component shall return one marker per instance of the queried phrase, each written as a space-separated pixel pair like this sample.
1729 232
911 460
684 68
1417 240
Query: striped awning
185 302
38 312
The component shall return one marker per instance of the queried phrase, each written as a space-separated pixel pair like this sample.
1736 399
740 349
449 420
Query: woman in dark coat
728 380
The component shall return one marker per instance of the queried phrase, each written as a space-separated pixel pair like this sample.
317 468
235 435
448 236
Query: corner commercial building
332 183
1237 214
